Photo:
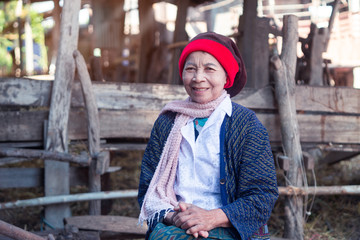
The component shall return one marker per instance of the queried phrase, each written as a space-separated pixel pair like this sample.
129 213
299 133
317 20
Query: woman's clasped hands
195 220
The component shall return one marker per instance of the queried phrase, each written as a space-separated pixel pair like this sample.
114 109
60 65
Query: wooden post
320 40
284 75
57 173
93 130
179 36
147 37
247 24
55 33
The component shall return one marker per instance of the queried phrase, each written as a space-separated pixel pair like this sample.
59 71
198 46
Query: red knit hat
225 51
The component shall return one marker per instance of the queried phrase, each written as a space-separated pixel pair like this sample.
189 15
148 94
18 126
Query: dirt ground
330 217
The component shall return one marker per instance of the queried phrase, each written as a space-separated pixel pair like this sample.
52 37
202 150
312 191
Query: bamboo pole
284 76
13 155
43 201
17 233
93 129
50 200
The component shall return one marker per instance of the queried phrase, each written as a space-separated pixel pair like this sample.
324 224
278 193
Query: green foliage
2 17
10 14
5 57
7 17
36 27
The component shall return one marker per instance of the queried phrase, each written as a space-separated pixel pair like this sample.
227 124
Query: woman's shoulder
164 121
166 118
245 117
238 109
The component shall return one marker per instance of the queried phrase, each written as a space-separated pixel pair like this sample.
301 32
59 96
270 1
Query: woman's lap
164 232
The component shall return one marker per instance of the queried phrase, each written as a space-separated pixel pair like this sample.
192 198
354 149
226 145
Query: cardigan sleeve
251 186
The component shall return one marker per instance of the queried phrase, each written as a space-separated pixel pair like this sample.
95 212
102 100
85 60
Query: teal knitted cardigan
247 173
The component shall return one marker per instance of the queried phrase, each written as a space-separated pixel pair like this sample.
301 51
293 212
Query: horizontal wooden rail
16 92
14 155
326 115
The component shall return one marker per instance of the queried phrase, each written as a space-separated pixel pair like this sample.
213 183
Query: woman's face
203 76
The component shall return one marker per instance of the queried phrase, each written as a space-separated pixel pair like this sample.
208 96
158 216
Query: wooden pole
284 75
43 201
29 154
246 38
17 233
179 36
57 173
93 129
55 33
147 38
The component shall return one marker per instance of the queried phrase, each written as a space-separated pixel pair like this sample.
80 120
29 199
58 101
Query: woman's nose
198 76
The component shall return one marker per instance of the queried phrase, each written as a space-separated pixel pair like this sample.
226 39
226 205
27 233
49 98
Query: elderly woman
208 169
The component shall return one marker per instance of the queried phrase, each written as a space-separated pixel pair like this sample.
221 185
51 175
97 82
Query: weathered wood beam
93 130
41 154
284 76
21 92
17 233
57 173
314 128
118 224
62 199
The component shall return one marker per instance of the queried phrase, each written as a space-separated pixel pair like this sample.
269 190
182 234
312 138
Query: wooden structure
322 113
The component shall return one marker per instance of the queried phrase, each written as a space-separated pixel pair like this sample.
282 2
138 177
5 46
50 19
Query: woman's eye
190 69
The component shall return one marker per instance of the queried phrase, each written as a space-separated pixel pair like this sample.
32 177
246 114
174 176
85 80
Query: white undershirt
198 171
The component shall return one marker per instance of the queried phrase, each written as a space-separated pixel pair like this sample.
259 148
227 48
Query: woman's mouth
199 89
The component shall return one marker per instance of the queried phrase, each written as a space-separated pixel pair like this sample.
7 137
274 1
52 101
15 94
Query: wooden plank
73 233
16 92
57 173
25 92
117 224
314 128
22 125
21 177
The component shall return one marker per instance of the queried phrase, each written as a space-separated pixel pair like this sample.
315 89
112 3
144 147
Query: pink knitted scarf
160 194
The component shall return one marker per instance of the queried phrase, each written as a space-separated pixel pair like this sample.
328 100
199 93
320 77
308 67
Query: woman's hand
198 221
